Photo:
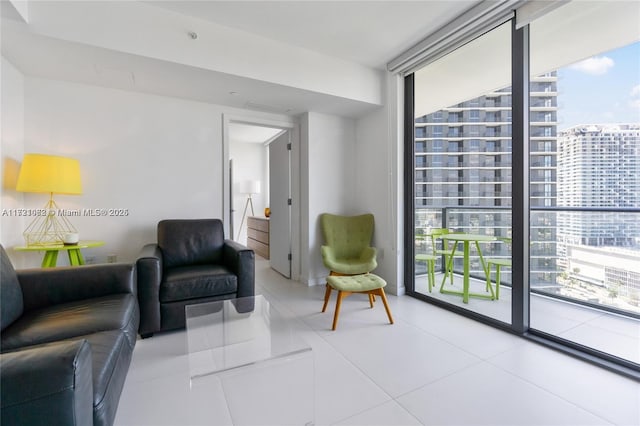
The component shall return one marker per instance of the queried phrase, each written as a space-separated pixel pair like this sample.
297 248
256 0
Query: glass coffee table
264 365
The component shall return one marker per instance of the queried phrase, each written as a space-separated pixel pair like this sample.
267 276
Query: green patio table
466 239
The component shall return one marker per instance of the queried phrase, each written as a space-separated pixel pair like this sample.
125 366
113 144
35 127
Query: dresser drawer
258 223
258 235
261 236
261 249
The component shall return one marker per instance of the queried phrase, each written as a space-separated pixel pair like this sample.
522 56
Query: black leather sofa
191 263
66 342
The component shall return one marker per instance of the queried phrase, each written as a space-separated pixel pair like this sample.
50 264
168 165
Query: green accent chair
445 251
499 263
348 248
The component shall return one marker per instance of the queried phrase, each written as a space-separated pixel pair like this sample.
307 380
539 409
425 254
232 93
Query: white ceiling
366 32
45 57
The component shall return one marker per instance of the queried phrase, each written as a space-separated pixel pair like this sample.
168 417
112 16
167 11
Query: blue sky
602 89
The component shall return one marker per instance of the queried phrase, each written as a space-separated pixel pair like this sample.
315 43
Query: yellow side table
51 252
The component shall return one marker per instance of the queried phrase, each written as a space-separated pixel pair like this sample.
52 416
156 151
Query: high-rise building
463 160
599 168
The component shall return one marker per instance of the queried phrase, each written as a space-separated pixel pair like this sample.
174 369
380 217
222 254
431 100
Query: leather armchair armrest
241 261
149 269
51 286
52 384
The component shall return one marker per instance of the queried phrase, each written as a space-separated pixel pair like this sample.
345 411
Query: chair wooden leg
341 294
371 300
380 292
327 295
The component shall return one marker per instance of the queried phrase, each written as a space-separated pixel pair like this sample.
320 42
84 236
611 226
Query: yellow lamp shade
49 173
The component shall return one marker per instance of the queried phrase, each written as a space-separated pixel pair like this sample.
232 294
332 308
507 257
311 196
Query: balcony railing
589 256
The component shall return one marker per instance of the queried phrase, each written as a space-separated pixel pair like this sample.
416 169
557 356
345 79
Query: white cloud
635 91
634 103
597 65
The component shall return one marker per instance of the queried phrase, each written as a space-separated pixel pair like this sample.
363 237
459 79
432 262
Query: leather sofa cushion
73 319
11 302
109 350
190 242
48 384
194 282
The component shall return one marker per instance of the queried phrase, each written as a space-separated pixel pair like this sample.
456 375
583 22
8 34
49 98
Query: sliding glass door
544 179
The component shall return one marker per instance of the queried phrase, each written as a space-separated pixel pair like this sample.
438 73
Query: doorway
260 178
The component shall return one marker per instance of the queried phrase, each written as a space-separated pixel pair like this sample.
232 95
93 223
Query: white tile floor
614 334
431 367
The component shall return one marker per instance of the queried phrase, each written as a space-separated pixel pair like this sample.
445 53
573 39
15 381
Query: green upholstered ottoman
346 285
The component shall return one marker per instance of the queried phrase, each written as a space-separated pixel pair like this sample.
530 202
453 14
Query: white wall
160 157
11 152
328 175
157 157
378 160
249 163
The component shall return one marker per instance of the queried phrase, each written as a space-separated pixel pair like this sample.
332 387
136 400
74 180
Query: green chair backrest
348 236
435 233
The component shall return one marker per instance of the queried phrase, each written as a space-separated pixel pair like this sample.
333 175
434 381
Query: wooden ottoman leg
327 295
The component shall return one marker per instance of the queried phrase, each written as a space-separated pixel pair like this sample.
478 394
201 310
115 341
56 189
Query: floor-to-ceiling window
581 275
585 157
462 124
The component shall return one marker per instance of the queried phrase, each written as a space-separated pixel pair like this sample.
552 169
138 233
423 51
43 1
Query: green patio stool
430 261
499 262
369 284
445 251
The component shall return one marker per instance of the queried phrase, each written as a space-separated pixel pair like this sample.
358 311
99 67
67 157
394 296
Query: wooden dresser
258 235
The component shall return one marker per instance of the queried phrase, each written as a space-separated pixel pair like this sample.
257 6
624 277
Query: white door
279 202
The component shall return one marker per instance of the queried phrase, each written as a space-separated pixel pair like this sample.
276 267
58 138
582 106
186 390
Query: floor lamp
250 187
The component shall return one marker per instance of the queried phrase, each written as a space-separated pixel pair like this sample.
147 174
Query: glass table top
229 334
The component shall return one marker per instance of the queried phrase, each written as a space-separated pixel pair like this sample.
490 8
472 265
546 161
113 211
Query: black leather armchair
191 263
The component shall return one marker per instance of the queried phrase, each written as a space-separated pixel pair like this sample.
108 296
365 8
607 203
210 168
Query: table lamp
249 187
49 174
